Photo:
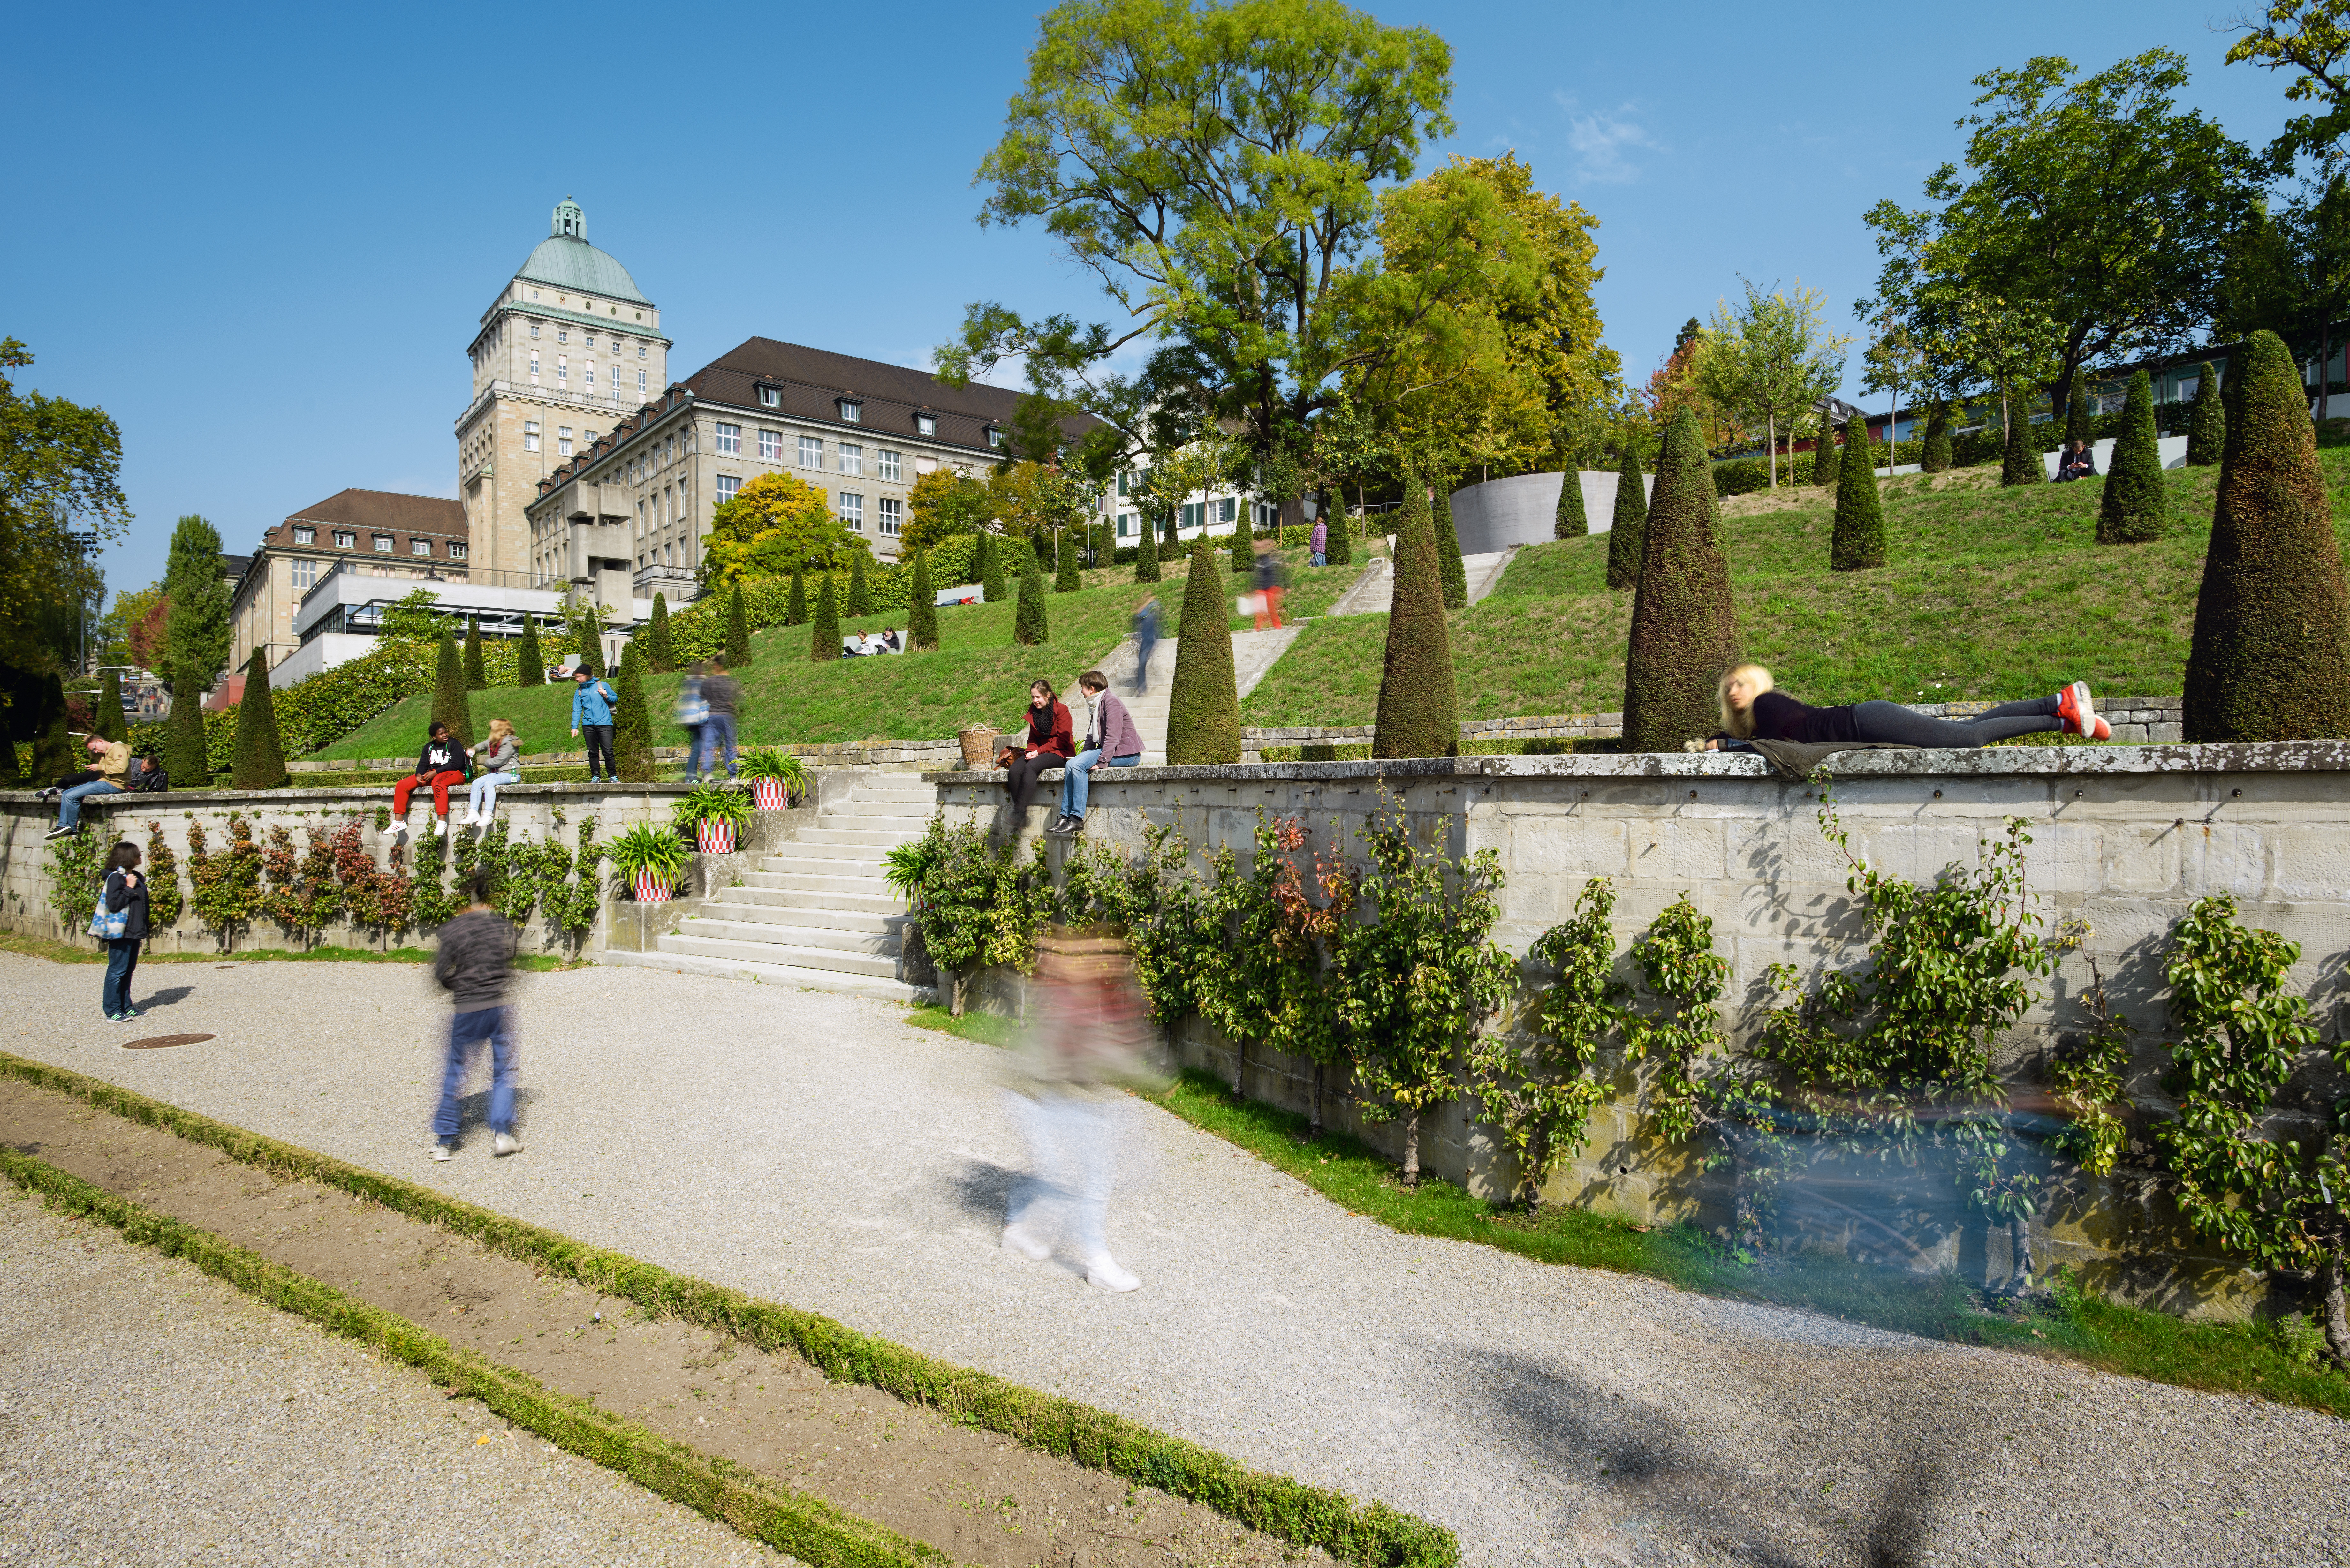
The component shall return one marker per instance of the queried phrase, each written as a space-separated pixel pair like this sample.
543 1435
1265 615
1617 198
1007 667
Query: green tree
1858 542
1936 456
1452 575
943 503
450 706
1825 461
530 660
588 638
994 581
1064 573
186 758
59 467
738 626
54 753
477 679
1242 556
1338 545
1567 521
860 598
1684 621
124 629
258 761
2018 454
2078 415
1146 548
775 521
661 658
2207 423
1203 704
106 718
824 637
2132 511
632 729
2268 661
922 607
1767 359
1030 626
1418 716
795 608
1628 524
2308 38
196 633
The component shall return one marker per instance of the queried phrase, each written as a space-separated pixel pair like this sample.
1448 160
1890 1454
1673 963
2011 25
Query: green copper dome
567 261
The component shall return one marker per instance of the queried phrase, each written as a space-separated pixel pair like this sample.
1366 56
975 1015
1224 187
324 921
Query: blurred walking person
1084 1048
122 904
720 695
475 965
1146 638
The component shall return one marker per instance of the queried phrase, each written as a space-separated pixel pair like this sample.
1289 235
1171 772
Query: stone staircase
816 913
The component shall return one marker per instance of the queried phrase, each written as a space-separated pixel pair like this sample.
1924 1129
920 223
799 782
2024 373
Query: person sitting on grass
109 766
1109 735
442 765
497 760
1751 709
2076 462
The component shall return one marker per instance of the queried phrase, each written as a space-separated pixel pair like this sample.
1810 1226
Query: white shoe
1103 1273
1015 1240
443 1150
398 834
440 826
473 819
505 1143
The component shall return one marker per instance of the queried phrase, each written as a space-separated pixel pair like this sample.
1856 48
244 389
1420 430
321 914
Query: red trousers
441 786
1272 608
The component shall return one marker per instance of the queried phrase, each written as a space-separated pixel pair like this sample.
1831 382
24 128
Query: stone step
841 893
722 939
770 973
803 910
825 865
842 842
767 923
858 819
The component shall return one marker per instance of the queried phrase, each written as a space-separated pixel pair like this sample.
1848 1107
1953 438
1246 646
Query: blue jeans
1077 777
69 802
483 799
1143 648
466 1033
121 964
1318 559
717 727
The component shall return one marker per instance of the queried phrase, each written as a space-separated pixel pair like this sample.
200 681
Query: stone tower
568 348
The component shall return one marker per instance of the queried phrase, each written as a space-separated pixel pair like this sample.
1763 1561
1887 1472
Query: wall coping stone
172 799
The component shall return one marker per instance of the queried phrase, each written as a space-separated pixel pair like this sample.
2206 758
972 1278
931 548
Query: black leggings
1022 776
599 739
1892 722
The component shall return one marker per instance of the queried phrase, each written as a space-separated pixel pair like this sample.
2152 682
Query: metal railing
393 569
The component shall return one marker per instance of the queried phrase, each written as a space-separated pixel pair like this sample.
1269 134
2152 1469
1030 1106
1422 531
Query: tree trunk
1412 1149
2338 1322
1771 440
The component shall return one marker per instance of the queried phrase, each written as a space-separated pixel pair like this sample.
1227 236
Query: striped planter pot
768 795
653 888
714 837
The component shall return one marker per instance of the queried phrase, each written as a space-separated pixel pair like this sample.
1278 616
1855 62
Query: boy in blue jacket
591 712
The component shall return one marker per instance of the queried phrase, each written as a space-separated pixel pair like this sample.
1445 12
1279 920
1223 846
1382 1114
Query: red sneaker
2076 712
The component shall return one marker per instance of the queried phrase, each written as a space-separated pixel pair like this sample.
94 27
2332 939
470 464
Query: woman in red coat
1051 744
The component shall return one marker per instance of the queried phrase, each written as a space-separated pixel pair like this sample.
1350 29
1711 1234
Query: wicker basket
978 747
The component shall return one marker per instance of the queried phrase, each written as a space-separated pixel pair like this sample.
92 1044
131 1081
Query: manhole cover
157 1042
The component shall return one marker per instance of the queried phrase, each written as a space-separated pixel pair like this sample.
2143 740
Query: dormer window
995 438
851 411
306 536
925 424
771 397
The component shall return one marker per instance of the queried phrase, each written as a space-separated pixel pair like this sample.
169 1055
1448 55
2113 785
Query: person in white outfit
495 761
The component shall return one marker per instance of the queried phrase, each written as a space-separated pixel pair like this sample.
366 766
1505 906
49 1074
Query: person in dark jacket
440 764
126 891
1050 743
1751 709
722 695
474 965
2076 462
1110 735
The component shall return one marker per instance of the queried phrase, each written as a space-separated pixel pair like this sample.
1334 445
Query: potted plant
777 778
649 860
714 815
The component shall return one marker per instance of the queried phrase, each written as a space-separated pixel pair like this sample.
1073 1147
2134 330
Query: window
995 438
640 347
892 515
727 485
347 541
383 544
456 551
1121 482
1193 514
530 427
533 325
640 383
891 467
771 397
1230 508
925 424
730 439
306 536
771 446
852 510
811 451
563 335
562 367
306 573
1267 514
563 441
851 413
588 371
588 339
852 459
420 546
534 366
1125 526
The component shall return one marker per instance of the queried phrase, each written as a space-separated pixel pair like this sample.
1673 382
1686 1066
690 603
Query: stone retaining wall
901 756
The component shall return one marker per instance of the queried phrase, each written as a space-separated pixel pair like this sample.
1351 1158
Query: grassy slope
977 676
1991 594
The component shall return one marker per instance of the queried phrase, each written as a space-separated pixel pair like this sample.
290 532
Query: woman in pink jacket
1111 734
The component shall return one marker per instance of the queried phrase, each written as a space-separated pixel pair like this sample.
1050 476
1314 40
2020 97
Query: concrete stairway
1373 591
816 914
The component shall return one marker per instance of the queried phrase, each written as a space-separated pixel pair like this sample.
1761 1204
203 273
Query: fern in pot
715 815
777 778
649 860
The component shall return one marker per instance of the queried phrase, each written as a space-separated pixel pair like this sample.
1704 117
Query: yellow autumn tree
775 523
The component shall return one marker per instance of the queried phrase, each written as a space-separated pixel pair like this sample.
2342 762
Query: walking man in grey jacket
474 965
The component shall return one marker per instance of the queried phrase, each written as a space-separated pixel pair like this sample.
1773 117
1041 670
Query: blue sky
261 238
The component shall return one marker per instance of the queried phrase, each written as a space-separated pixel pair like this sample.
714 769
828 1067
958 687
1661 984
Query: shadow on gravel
165 997
983 1190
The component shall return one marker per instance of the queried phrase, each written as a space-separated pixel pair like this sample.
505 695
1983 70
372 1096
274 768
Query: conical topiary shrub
477 679
1684 621
2019 461
1627 525
1146 550
1203 705
55 753
1030 627
449 704
2078 421
258 761
922 607
1243 558
1418 716
1567 520
2269 660
1858 543
108 719
795 606
1064 576
185 759
1824 455
660 658
1936 457
860 596
1448 554
1338 545
824 636
2207 419
994 582
738 629
530 661
632 728
2134 509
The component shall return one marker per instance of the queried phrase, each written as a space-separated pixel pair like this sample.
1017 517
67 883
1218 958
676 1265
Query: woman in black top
126 890
1751 709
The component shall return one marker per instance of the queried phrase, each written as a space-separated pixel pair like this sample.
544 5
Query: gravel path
149 1415
814 1149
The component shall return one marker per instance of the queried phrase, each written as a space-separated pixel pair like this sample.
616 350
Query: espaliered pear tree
922 607
1030 626
824 636
1858 543
449 704
2207 419
530 660
1203 705
2133 509
1824 455
258 761
1567 521
1628 524
2269 660
1684 621
1418 716
1448 554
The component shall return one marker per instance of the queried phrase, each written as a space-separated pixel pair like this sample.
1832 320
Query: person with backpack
474 965
121 924
106 775
592 703
440 764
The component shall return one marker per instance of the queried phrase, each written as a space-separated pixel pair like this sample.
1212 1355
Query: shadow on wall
1523 508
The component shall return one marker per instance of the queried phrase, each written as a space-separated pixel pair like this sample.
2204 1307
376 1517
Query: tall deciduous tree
196 629
776 521
1767 359
1417 712
1684 621
1203 705
943 502
2309 39
60 464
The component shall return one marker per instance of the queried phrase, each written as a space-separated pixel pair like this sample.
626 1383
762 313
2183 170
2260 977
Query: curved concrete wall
1521 509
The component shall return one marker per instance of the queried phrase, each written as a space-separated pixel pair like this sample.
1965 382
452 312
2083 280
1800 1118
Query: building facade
410 539
569 348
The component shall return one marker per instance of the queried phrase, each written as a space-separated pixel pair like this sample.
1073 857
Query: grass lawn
977 676
1992 593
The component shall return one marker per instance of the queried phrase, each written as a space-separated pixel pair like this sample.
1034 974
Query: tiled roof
382 511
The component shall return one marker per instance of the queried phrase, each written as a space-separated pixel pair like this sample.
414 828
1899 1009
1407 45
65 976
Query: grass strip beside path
1369 1533
808 1528
67 952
